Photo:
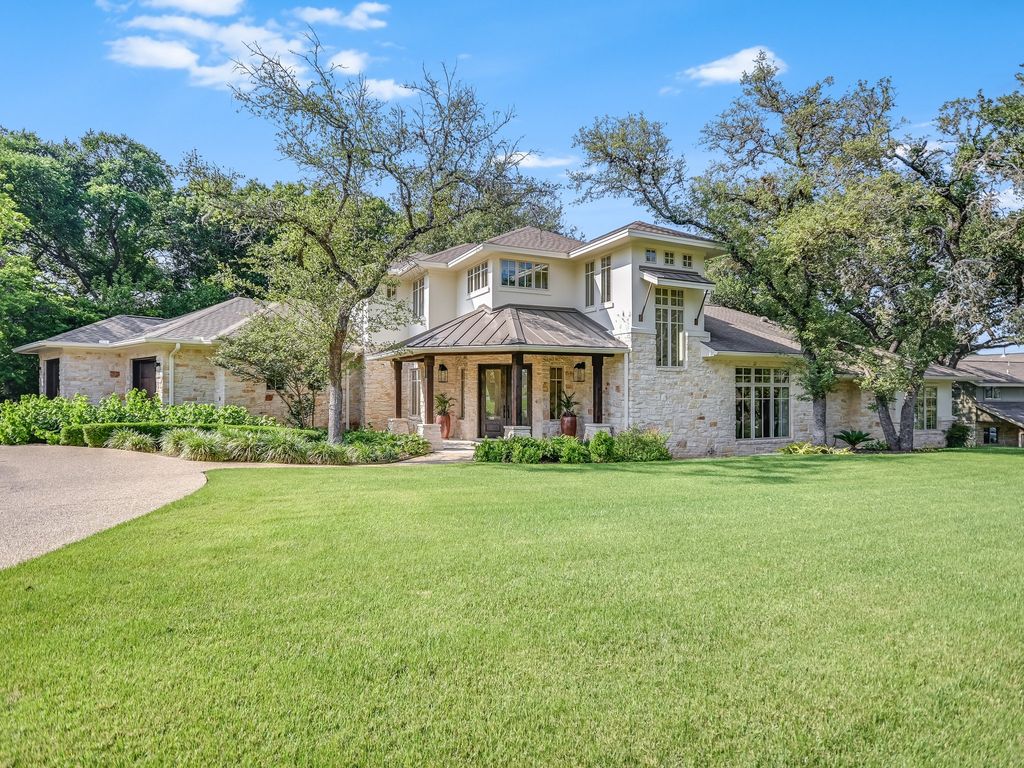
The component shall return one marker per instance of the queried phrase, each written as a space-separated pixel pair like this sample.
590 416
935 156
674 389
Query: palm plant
852 437
568 404
443 404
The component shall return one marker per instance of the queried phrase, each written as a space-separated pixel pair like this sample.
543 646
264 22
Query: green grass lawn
773 610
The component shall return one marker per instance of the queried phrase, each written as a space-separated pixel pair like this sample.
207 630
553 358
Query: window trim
927 405
991 393
686 260
524 271
415 391
418 295
589 284
555 397
481 275
990 435
747 381
672 317
604 284
650 256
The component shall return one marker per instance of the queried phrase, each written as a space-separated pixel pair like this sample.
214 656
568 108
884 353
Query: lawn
772 610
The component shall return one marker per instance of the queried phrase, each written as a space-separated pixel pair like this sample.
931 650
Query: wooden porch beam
397 365
428 375
597 361
517 389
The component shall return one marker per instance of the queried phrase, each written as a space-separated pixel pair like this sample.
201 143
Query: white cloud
351 62
388 89
729 69
147 52
363 16
669 90
533 160
200 7
1009 200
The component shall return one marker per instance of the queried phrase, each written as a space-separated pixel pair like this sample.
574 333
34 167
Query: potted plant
443 408
568 404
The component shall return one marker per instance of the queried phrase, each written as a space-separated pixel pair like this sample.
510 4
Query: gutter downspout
170 374
625 388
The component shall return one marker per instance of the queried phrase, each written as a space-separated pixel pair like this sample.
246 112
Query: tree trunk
335 413
885 419
818 414
906 443
336 374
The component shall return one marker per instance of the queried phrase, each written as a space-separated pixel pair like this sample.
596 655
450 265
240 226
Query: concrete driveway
53 495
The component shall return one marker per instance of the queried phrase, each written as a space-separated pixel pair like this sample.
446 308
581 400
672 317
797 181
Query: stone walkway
453 452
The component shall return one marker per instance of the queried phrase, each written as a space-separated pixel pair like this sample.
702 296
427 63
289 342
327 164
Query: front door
144 375
495 407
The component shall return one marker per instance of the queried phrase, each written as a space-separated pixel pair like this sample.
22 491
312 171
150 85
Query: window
651 256
275 382
476 278
524 274
556 386
926 410
668 326
606 279
588 284
687 261
762 403
991 393
415 390
52 379
990 436
670 258
462 393
390 291
419 295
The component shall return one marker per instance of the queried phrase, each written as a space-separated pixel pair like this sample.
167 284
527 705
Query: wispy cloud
200 7
147 52
730 69
534 160
350 61
387 90
362 16
669 90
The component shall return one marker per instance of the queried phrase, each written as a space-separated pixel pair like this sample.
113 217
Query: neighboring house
993 400
622 321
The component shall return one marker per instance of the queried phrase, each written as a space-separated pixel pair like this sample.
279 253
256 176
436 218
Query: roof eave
639 234
540 349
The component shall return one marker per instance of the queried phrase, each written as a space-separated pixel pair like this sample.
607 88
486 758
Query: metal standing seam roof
514 325
684 275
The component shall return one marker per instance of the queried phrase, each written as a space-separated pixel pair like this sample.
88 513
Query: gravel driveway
53 495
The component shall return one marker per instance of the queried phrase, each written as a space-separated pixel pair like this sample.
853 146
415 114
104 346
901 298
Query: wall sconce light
157 365
442 373
579 372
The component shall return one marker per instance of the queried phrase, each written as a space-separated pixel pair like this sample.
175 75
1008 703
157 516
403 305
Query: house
622 321
993 400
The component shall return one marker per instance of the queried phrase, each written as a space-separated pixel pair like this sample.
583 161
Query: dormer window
419 298
651 256
477 278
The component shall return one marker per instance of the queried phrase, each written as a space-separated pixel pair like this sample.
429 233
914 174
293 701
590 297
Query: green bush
959 435
526 450
573 452
637 444
875 445
280 447
97 435
72 435
853 437
602 448
244 445
326 453
203 445
173 440
489 450
131 440
34 418
809 449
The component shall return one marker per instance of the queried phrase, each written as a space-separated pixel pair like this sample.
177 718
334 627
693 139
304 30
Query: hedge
627 445
97 435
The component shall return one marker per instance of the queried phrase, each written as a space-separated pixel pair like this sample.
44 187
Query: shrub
130 440
875 445
72 435
602 448
35 418
490 450
959 435
810 449
573 452
637 444
244 445
203 445
852 437
327 453
97 435
526 450
234 429
411 445
280 447
173 440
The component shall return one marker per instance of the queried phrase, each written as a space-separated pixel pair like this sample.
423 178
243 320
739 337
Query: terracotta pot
568 424
446 425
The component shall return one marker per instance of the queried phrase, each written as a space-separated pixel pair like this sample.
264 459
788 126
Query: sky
159 70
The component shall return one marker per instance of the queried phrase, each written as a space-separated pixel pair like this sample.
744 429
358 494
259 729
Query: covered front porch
508 385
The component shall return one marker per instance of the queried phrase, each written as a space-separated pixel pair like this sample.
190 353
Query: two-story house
623 322
993 400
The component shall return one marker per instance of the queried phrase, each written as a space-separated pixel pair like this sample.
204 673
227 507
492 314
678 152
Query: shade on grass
777 610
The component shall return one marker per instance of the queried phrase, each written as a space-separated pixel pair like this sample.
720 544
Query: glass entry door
495 406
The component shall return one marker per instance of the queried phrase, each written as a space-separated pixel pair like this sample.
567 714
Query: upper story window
762 403
926 409
651 256
524 274
668 326
991 393
686 261
589 284
419 298
476 278
670 258
606 279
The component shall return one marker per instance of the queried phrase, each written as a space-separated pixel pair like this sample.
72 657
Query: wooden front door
53 377
144 375
495 398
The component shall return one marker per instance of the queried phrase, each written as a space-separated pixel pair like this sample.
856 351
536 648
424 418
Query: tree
776 153
381 179
284 350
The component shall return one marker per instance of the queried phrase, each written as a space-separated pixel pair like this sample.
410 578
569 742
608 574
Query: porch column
397 365
428 376
598 363
517 389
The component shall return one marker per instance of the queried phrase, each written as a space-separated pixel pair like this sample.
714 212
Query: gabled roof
200 326
535 239
735 331
448 254
516 327
995 369
653 229
1011 412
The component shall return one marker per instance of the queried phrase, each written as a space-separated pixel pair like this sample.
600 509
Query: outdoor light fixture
442 373
579 372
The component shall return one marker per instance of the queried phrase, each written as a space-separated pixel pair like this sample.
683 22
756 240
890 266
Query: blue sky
155 69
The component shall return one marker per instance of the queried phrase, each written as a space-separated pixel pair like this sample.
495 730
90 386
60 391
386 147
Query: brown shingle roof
110 330
655 229
447 255
735 331
1001 369
514 325
538 239
1011 412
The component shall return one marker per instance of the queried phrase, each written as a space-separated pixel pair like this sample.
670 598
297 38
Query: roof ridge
180 320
